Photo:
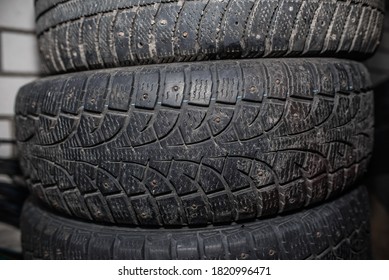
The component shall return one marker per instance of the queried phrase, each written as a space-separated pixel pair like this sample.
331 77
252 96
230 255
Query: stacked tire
199 129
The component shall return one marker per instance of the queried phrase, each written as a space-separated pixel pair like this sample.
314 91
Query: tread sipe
88 34
195 143
335 230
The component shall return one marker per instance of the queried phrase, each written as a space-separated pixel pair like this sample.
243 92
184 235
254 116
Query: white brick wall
18 61
9 86
6 133
19 53
17 14
7 129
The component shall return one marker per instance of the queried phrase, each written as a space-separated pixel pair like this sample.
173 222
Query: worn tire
195 143
90 34
335 230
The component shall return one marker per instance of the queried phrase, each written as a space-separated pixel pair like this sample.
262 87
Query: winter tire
195 143
88 34
335 230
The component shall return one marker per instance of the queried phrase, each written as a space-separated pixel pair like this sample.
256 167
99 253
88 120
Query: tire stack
225 133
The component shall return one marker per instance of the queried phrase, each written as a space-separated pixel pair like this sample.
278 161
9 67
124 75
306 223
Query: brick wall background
19 63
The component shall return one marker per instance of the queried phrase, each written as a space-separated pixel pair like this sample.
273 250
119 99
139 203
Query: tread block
79 240
121 91
247 202
156 183
220 118
221 207
62 47
131 179
105 37
303 25
165 24
265 242
301 77
257 27
281 29
56 201
74 38
143 23
165 122
322 20
239 245
122 33
170 209
188 28
146 89
96 92
229 85
292 195
233 27
238 178
73 94
121 210
210 180
269 201
201 86
76 204
154 248
193 126
146 211
212 246
173 94
278 81
186 247
195 209
101 246
90 33
140 131
299 248
254 87
52 104
62 241
98 208
248 125
129 248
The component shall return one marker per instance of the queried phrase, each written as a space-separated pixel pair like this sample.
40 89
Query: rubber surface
89 34
196 143
336 230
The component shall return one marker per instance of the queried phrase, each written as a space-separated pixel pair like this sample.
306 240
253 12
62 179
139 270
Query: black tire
195 143
90 34
335 230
